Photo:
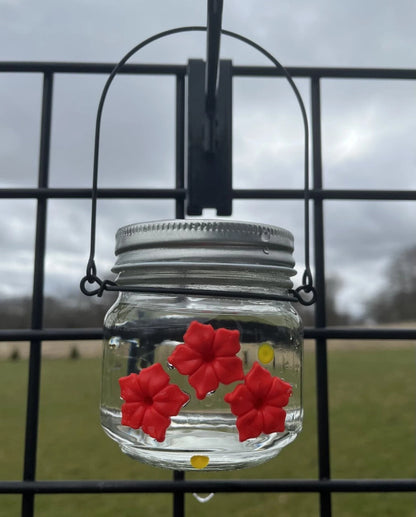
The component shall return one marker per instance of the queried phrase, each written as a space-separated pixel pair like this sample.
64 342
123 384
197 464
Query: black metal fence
29 487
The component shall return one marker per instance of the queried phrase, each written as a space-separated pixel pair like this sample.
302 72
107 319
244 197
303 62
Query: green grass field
372 402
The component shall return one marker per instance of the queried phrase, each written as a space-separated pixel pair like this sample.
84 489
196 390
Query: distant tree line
334 315
396 302
69 311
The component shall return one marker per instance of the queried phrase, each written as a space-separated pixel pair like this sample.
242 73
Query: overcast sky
368 128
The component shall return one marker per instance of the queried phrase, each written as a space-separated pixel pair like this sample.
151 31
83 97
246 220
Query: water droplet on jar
114 342
170 366
203 499
265 236
266 251
210 393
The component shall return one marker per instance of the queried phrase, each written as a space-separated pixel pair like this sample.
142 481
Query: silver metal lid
205 244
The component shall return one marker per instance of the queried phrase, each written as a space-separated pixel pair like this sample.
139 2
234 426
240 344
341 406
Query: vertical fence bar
32 409
320 310
180 144
179 497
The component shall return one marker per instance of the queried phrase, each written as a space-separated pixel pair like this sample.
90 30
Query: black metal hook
91 278
307 289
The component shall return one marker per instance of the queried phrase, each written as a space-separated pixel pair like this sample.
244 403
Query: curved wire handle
91 276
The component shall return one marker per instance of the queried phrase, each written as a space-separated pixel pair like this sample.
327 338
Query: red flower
150 401
258 403
208 356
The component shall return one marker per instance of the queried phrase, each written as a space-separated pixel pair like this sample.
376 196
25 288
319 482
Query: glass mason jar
194 380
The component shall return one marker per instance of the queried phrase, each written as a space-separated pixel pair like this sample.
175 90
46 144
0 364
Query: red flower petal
199 336
204 380
169 401
273 419
259 381
240 400
226 342
132 414
185 359
279 393
228 369
249 425
155 424
130 390
153 379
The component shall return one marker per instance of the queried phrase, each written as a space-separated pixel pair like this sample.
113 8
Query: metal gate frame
178 486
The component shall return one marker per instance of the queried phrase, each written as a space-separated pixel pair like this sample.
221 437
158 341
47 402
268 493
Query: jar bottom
187 439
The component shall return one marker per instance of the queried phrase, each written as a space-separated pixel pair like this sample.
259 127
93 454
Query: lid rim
207 227
205 241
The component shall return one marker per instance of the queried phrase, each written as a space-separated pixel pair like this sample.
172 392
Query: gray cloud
368 126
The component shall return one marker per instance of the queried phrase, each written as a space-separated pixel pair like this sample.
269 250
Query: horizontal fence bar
180 194
347 194
242 71
51 334
218 486
360 333
327 72
89 68
346 333
85 193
